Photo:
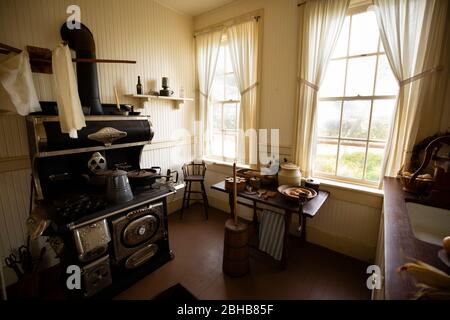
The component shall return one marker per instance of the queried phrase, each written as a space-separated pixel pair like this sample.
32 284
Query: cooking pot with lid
147 177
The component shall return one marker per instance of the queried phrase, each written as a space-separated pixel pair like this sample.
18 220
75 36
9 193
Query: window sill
365 196
217 162
324 182
344 186
351 187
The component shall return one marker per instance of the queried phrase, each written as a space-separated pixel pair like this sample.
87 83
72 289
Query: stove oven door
137 229
140 230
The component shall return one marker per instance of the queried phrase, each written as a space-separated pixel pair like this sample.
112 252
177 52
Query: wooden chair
194 172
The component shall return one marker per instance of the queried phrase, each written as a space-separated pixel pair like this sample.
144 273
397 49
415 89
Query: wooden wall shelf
178 101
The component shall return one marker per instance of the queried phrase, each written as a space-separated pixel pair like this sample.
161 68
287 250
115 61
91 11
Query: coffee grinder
166 92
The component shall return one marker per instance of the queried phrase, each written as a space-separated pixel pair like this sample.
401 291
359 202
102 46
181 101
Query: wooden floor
313 272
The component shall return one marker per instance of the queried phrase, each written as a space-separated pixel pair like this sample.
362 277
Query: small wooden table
307 210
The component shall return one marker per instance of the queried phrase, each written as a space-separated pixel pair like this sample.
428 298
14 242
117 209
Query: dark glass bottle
139 86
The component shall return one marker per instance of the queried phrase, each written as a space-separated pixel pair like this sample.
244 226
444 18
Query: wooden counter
400 245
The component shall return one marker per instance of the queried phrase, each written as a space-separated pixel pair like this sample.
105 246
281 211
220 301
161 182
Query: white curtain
207 48
243 47
412 32
320 24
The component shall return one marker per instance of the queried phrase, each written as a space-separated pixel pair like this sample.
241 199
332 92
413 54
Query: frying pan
147 177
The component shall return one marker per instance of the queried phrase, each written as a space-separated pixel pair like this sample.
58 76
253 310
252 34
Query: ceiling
194 7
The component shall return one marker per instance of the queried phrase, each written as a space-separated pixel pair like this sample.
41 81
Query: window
356 104
224 107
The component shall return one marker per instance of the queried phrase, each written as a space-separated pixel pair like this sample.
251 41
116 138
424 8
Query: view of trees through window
224 107
356 103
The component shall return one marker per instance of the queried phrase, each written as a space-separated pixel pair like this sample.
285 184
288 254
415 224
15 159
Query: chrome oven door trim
122 251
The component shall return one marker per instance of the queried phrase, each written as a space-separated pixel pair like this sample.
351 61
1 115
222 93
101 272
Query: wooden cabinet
379 260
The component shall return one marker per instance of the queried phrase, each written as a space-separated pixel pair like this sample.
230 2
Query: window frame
342 99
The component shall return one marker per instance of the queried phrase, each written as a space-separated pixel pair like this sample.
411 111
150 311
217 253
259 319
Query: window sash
353 98
223 131
222 102
367 183
231 101
367 141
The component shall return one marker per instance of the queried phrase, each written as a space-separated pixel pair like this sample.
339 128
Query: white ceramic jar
289 174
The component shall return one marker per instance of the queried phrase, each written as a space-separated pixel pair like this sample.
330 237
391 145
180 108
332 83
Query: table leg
303 227
255 215
287 224
302 223
231 202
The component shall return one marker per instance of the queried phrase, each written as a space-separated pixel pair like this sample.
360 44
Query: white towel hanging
70 113
17 91
271 233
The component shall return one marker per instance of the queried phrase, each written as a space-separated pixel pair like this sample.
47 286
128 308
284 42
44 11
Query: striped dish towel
271 232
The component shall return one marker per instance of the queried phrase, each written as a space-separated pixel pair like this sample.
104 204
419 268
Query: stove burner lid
77 207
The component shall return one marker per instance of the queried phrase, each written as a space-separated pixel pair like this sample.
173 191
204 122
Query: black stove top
79 209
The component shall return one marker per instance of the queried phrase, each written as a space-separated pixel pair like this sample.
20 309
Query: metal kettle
118 189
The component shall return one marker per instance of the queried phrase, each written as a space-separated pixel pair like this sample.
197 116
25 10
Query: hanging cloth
70 113
17 91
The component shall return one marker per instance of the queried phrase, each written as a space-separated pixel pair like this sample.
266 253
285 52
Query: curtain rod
304 2
7 49
230 23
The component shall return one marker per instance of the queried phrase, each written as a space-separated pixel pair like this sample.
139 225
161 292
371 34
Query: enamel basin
428 223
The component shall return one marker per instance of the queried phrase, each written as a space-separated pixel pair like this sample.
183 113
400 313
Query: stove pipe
82 42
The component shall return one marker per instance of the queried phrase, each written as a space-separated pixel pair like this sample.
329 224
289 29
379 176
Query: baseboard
174 205
220 204
14 163
223 205
49 260
9 276
341 244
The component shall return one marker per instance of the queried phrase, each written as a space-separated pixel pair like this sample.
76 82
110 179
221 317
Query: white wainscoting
14 206
346 227
13 136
